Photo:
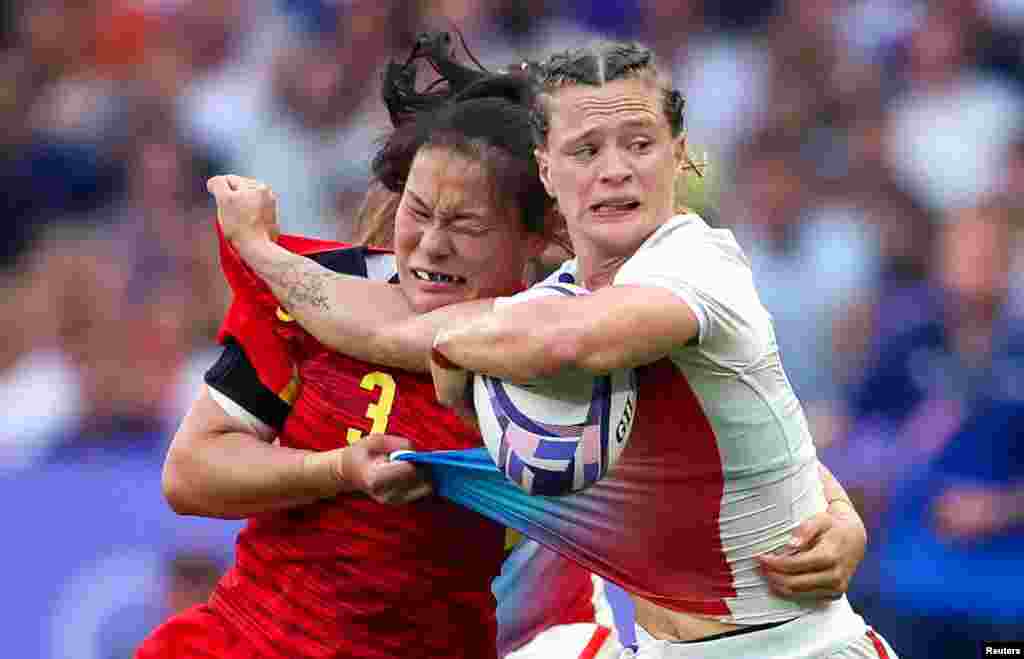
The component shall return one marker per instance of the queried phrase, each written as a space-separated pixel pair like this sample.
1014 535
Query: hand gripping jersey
347 577
720 466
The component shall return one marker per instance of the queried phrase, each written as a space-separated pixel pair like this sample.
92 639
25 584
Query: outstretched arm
615 327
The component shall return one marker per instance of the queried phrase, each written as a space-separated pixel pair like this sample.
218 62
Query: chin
427 302
624 237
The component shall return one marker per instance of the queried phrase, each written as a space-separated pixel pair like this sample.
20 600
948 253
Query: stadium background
869 154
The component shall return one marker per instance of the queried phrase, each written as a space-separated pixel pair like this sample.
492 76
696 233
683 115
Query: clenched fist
246 209
366 467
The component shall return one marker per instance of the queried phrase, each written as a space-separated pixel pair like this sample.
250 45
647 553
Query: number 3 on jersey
377 412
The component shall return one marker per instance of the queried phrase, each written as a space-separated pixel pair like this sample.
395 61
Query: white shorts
582 640
832 632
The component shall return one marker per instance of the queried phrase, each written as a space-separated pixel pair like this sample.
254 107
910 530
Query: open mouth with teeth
615 206
437 277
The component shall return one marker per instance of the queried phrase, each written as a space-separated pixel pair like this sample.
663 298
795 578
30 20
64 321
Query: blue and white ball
559 435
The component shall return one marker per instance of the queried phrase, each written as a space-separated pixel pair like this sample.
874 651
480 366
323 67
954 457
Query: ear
679 152
544 167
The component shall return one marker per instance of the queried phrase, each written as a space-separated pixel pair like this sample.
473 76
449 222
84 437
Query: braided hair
597 64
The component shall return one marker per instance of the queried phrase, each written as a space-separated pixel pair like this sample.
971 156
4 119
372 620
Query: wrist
253 247
840 505
324 473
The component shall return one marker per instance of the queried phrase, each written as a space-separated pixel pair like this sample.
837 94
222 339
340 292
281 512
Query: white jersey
720 467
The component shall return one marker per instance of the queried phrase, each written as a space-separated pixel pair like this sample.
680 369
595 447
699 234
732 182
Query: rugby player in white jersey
721 467
721 463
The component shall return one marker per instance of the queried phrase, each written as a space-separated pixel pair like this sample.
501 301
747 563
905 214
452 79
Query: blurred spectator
128 354
955 536
924 381
38 384
947 141
810 257
184 579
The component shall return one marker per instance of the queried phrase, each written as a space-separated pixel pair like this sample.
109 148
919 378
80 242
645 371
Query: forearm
615 328
344 312
835 493
502 346
234 475
217 468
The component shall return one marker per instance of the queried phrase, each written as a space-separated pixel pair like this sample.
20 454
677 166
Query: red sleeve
252 320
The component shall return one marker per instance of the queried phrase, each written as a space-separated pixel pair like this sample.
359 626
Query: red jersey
349 577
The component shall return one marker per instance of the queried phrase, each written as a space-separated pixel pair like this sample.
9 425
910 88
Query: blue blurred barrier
86 554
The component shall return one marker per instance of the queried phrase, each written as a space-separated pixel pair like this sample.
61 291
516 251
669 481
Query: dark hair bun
401 97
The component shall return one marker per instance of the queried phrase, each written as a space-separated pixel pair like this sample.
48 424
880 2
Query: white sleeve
233 409
708 271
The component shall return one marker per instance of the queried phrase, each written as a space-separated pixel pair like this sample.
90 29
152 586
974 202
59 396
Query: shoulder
691 236
686 251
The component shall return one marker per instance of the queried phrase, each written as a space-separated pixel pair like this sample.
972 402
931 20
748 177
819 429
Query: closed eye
471 227
419 214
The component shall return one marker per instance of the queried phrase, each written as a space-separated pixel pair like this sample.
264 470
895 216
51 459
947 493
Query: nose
436 242
615 167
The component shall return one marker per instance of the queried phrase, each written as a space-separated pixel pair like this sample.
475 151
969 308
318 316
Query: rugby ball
558 435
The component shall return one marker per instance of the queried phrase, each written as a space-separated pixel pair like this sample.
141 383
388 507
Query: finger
394 477
816 595
809 530
217 186
377 445
804 584
234 181
814 560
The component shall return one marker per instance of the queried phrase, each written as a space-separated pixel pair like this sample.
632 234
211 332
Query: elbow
560 351
178 487
175 488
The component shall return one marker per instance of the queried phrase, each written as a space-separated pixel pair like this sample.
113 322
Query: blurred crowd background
869 155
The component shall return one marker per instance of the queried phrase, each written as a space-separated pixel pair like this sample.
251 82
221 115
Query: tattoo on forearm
301 285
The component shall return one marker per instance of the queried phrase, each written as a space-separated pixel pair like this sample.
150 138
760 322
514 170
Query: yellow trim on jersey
291 390
284 316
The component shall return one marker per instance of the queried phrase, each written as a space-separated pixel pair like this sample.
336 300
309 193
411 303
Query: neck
598 271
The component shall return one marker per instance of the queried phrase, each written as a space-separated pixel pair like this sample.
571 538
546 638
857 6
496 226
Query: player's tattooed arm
344 312
365 319
299 283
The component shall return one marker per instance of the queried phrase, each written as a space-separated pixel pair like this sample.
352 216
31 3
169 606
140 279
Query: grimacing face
610 161
453 241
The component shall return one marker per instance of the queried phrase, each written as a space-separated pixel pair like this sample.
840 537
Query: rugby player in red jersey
323 575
